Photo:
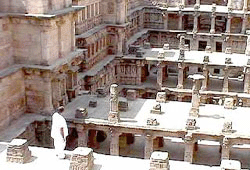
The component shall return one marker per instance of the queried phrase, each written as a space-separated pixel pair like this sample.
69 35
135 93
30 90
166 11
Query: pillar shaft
195 29
212 30
246 82
244 22
148 146
206 77
225 81
166 21
180 76
225 152
189 149
160 74
138 77
82 137
180 22
228 28
114 143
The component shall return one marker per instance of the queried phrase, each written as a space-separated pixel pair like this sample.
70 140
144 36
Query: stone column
196 15
73 44
138 73
180 75
82 133
114 116
225 152
247 81
212 30
195 94
225 81
48 106
160 74
206 77
244 22
245 8
149 146
180 21
165 17
247 51
114 143
189 148
59 24
229 18
120 12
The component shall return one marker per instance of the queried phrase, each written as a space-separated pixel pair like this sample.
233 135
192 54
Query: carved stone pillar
247 81
180 75
244 23
245 8
180 25
114 116
114 143
228 27
149 146
225 152
189 148
82 133
206 77
73 44
160 74
225 81
48 105
59 24
247 51
138 73
195 94
165 19
196 15
212 30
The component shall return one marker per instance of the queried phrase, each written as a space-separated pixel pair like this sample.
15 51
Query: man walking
59 132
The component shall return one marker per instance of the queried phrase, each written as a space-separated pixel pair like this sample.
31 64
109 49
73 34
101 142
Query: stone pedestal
18 151
114 115
229 103
159 161
161 97
131 94
230 165
82 158
156 109
81 113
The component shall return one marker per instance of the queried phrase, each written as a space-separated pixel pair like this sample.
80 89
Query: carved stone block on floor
18 151
161 97
131 94
81 113
92 103
159 161
82 158
156 109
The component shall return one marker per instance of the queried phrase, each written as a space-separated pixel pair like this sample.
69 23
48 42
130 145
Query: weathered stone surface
18 151
131 94
229 103
156 109
92 103
82 158
161 97
159 161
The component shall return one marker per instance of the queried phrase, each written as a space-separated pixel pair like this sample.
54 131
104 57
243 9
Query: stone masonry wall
33 7
12 101
5 44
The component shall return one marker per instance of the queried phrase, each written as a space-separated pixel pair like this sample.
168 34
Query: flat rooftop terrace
173 117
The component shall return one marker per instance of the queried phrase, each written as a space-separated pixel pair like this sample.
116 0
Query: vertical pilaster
48 106
180 25
138 77
165 19
114 143
245 8
244 23
228 27
189 148
74 17
247 81
180 75
225 152
247 51
196 15
160 74
82 133
149 146
225 81
212 30
206 77
59 32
